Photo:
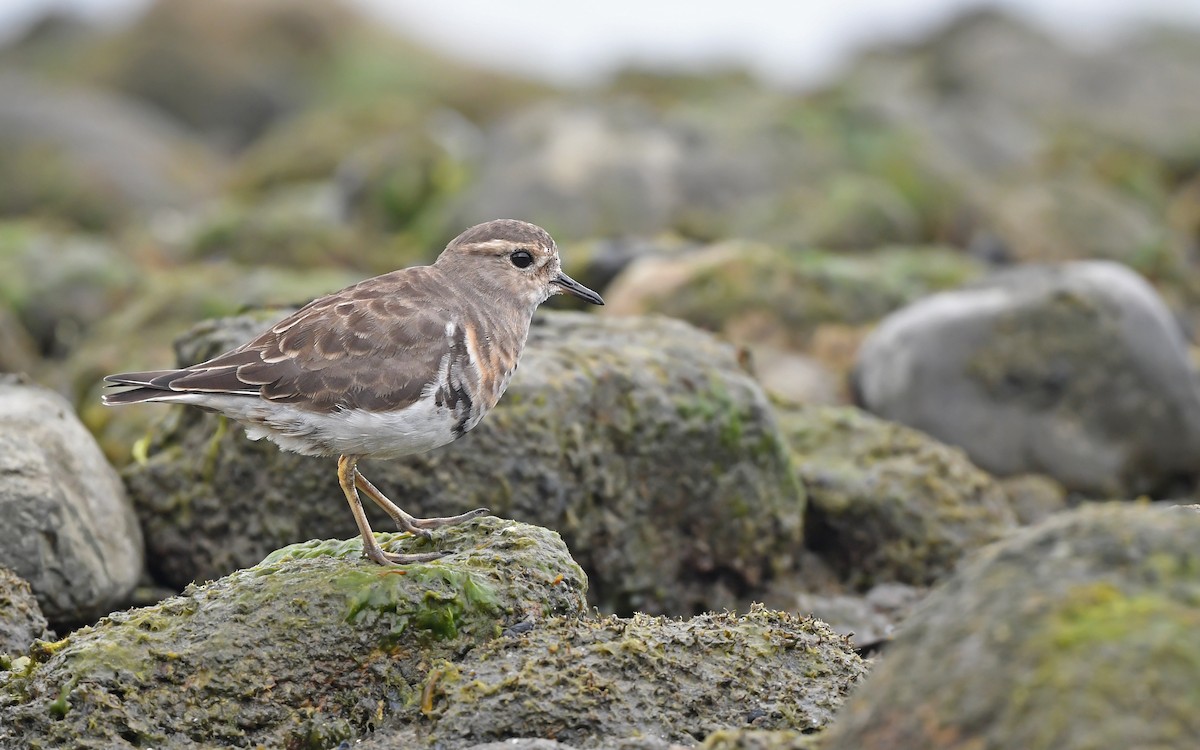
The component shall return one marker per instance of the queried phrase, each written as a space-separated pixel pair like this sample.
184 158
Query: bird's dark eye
521 258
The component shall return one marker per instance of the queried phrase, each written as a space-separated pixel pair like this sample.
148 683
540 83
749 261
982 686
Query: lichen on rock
311 645
1076 633
584 681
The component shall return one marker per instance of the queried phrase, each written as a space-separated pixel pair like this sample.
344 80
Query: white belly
418 428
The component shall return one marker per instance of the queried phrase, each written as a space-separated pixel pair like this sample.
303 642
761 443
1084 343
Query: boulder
312 646
69 528
639 439
21 619
887 503
582 682
1076 633
763 294
1076 371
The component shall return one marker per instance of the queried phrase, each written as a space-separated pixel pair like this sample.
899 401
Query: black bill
571 286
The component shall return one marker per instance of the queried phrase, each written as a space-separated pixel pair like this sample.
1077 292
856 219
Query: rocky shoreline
888 437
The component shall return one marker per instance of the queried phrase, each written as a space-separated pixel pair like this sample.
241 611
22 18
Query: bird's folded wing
375 353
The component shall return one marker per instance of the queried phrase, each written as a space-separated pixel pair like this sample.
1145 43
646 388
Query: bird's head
510 257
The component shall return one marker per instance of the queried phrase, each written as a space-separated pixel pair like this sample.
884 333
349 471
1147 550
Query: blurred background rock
785 179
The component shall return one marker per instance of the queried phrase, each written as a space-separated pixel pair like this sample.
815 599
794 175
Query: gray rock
21 620
1077 633
1076 371
640 440
887 503
310 647
69 529
670 681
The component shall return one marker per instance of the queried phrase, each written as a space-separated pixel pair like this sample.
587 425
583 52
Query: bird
392 366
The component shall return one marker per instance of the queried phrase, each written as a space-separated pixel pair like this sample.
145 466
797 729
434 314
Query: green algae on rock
886 502
1080 632
641 440
582 682
312 644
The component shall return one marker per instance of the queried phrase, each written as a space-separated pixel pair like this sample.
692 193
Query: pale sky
786 41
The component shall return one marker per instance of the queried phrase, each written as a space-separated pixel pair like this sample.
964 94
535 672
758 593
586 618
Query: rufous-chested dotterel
394 365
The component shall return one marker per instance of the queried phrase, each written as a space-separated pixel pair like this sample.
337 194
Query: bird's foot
376 554
421 526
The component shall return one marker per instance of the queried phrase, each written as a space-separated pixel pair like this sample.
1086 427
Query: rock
17 350
270 60
760 739
21 619
93 159
639 439
597 263
403 179
762 294
310 647
678 681
1076 371
297 227
604 169
886 503
1059 219
866 619
69 529
1034 497
1077 633
61 285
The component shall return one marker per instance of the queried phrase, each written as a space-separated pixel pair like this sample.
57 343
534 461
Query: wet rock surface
1038 642
69 529
21 619
310 647
1076 371
584 681
887 503
640 440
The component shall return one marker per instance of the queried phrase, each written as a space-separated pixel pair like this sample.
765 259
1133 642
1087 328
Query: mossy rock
268 60
300 227
59 284
758 293
1076 633
641 440
312 646
583 682
888 503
